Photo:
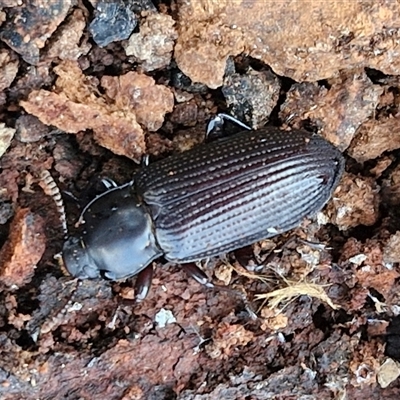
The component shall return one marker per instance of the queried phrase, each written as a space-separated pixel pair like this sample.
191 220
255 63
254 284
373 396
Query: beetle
210 200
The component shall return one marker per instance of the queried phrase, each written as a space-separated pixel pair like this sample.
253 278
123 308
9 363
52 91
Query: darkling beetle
210 200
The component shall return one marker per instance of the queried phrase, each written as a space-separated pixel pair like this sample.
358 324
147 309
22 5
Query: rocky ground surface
88 87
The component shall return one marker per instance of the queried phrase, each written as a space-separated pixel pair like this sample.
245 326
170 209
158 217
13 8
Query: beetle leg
216 124
197 274
108 183
143 283
227 117
145 161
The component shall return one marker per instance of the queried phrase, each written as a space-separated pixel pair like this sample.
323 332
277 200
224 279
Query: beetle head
77 261
116 239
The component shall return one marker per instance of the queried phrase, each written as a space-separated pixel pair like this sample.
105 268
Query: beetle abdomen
230 193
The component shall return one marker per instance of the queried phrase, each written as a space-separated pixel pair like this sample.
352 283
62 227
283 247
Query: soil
88 89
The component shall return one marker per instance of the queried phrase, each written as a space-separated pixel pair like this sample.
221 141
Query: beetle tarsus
197 274
216 124
108 183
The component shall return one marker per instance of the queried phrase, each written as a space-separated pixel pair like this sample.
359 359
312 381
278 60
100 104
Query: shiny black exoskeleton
204 202
117 236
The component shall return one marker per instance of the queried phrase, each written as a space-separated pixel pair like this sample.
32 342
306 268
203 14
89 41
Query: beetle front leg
143 283
215 127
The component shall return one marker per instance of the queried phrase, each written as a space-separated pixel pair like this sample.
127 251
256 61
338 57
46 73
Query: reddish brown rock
338 111
24 249
391 253
69 43
109 128
374 138
138 93
153 45
303 40
391 189
355 202
6 135
8 69
75 106
31 23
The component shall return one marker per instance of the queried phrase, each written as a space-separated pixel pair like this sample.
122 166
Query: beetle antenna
50 188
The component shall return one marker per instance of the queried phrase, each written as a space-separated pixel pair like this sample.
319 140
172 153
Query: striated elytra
207 201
